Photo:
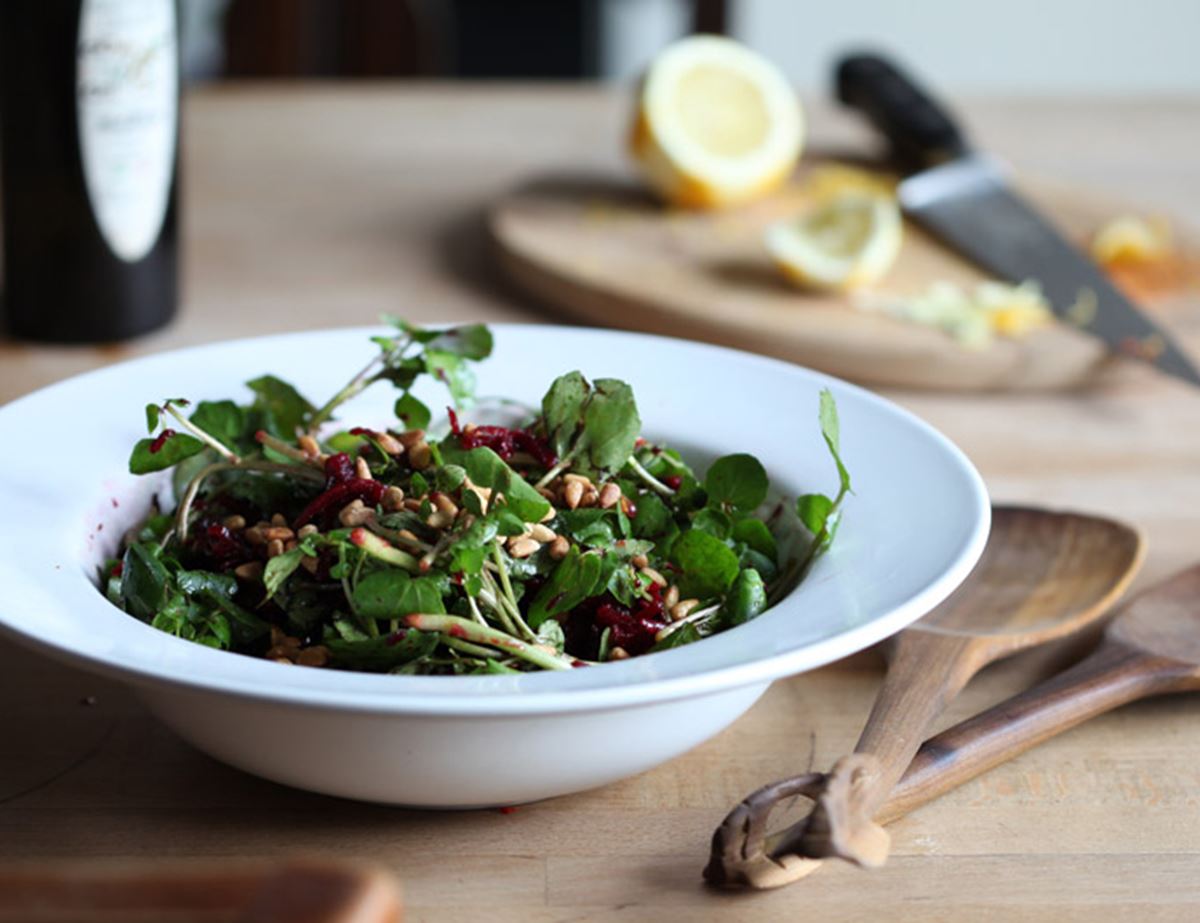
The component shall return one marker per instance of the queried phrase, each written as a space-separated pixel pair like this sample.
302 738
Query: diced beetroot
329 503
160 440
339 469
219 547
503 441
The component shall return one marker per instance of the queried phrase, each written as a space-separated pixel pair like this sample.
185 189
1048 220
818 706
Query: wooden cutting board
599 248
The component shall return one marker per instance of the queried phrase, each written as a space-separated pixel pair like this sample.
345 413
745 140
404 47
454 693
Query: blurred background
1017 47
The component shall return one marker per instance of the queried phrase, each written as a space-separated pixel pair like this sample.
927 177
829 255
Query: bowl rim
626 690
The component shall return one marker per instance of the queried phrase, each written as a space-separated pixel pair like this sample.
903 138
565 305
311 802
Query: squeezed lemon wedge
844 243
716 124
1131 239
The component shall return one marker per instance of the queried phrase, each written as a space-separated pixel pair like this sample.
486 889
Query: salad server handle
1114 675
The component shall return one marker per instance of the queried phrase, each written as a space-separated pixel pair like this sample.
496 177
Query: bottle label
127 92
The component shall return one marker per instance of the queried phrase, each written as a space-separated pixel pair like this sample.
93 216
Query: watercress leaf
737 481
754 532
219 629
401 371
766 567
171 616
627 548
714 522
154 455
346 442
449 478
746 598
470 341
467 561
588 526
478 535
573 580
453 372
551 632
814 510
678 638
652 516
381 654
416 332
155 527
411 412
472 502
709 565
487 469
145 581
831 430
346 630
507 522
223 420
562 409
390 593
305 607
279 568
246 627
284 408
201 582
152 414
627 585
611 424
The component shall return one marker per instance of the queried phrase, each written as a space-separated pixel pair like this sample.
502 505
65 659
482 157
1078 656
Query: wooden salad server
1042 576
1151 648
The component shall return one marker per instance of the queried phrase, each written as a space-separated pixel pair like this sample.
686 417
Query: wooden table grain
325 205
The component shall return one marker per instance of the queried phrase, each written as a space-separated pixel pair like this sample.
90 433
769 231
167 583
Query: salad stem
264 467
558 469
359 383
698 616
466 630
466 647
651 481
212 442
271 442
510 598
475 613
396 538
490 594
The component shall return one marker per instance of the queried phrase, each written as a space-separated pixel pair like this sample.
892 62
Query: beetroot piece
503 441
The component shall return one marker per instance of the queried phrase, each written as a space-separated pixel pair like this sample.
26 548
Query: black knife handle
921 131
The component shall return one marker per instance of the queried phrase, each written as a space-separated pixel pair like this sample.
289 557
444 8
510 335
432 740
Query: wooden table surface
323 206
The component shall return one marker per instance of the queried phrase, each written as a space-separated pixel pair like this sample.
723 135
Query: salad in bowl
565 538
344 604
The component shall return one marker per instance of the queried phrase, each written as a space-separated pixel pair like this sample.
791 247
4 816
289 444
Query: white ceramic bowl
910 534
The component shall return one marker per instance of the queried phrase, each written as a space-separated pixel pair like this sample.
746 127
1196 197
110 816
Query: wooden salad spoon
1151 648
1042 576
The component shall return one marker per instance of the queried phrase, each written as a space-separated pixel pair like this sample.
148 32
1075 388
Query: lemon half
716 124
845 243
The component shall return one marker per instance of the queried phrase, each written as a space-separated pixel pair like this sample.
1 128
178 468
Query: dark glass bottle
89 118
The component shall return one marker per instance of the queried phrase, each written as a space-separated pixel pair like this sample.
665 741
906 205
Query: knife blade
964 198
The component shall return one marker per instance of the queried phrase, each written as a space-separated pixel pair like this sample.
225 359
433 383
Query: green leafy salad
566 540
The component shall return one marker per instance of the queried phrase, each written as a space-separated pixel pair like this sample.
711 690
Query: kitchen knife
963 198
